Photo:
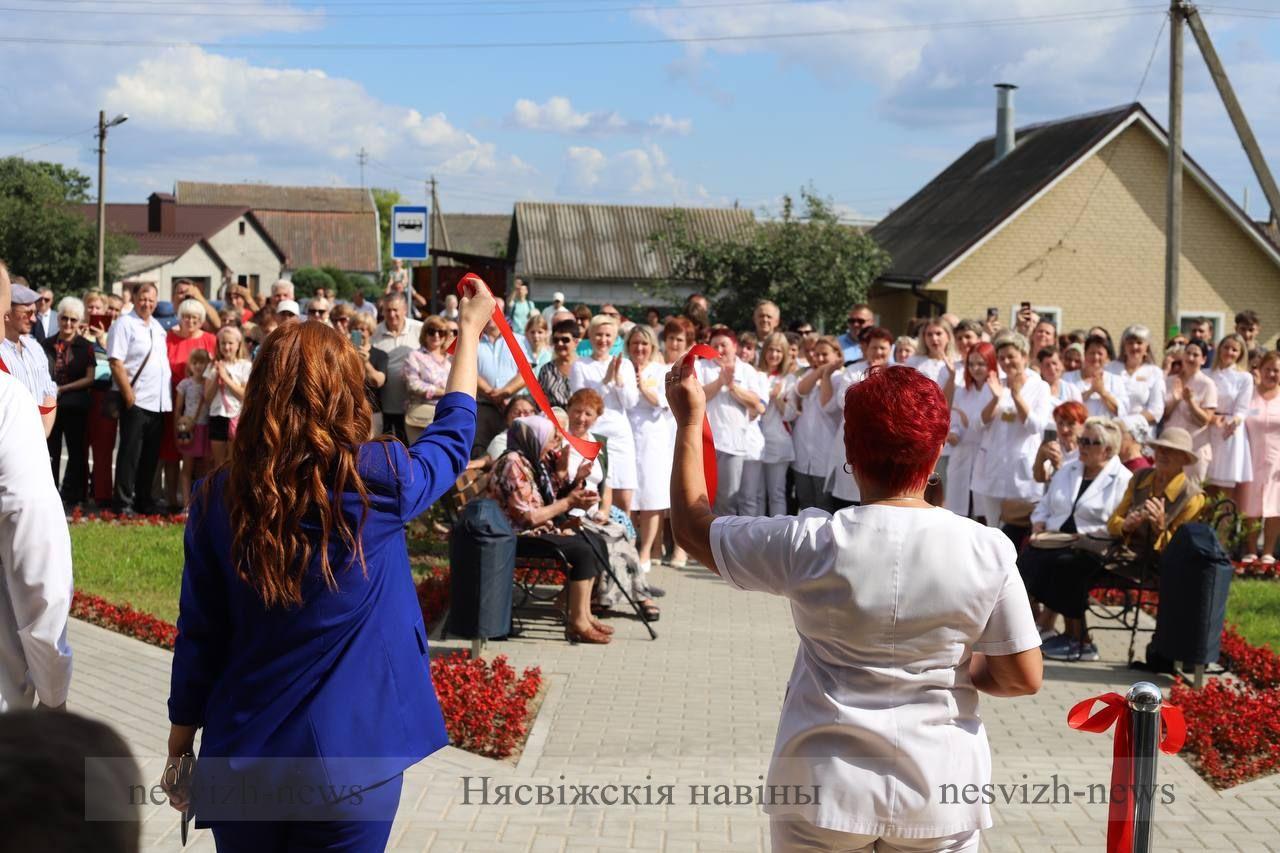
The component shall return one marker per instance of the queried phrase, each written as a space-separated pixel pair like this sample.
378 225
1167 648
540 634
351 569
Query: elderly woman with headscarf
521 484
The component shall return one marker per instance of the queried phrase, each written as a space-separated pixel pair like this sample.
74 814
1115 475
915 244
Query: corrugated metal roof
348 241
267 197
595 241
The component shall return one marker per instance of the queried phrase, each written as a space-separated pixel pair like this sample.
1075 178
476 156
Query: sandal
650 610
589 636
1267 560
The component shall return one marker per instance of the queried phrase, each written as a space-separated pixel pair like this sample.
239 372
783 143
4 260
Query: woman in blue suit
301 649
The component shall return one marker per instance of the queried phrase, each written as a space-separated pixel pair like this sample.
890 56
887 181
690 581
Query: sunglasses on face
562 339
1089 442
857 321
804 331
436 333
317 312
45 300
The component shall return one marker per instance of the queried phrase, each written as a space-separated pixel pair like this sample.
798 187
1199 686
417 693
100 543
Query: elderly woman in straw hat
1156 503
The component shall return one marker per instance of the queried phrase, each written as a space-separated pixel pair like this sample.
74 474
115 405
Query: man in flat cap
22 355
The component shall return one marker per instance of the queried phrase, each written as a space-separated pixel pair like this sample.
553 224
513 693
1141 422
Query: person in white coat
877 346
814 428
35 557
905 613
733 403
1077 505
654 430
614 379
1015 419
778 371
1143 382
967 430
1103 394
1232 462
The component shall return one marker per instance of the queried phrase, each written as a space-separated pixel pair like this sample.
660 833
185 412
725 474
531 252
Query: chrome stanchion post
1144 706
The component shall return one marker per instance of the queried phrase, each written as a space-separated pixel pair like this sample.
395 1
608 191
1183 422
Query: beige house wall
1104 264
195 263
247 254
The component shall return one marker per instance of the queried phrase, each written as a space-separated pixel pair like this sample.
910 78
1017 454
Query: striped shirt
27 361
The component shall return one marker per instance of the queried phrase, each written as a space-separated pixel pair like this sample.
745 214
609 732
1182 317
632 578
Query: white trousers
790 834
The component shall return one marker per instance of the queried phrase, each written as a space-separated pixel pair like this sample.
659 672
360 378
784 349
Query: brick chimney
162 213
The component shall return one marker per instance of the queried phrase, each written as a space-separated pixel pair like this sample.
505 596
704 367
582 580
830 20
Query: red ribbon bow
1173 735
708 442
468 286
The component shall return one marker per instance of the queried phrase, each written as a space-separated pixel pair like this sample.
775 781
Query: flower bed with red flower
1233 727
486 706
123 619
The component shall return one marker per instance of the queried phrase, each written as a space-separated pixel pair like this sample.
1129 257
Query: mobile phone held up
993 313
1051 434
357 338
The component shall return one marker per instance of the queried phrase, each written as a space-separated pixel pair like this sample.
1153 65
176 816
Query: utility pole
1235 111
1173 210
362 157
103 125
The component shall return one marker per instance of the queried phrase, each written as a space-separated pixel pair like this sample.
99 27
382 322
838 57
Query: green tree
385 200
340 284
43 236
809 263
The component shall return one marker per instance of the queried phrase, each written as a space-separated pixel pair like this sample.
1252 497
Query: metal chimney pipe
1004 120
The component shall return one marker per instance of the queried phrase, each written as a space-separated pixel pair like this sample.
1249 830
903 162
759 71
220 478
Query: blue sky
289 92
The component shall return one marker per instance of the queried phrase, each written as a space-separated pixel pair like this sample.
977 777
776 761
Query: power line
371 14
1065 17
37 146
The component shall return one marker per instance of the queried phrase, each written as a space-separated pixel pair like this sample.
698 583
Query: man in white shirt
557 304
362 305
139 363
35 557
397 336
23 356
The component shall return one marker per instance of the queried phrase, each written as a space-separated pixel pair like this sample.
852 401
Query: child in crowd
192 422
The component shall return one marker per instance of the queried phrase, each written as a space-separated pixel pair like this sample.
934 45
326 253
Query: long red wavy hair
295 453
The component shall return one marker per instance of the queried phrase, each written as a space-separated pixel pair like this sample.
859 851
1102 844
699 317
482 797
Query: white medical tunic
35 557
890 604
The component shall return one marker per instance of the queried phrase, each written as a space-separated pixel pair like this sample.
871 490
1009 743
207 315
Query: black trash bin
1195 578
482 564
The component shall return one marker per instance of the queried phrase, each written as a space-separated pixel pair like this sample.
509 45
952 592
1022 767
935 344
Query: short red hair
895 423
1072 411
723 332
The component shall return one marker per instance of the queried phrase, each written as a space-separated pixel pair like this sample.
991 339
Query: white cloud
557 115
635 175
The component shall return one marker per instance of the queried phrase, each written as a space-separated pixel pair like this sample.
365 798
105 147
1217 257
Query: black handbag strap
143 366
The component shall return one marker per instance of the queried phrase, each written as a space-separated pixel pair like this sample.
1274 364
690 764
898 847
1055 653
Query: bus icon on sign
409 225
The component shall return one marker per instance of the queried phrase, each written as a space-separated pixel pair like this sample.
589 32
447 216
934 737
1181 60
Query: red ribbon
469 285
1173 735
708 442
44 410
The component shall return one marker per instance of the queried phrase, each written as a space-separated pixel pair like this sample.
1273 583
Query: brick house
315 226
200 243
1072 219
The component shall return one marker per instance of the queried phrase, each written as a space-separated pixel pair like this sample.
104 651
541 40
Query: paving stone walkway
696 707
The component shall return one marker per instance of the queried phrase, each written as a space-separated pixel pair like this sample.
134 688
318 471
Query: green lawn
138 565
1254 607
142 566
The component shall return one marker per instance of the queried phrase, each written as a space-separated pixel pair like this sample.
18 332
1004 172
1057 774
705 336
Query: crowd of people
1041 418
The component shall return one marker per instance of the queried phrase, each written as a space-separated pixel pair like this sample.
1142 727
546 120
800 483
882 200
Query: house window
1188 320
241 227
1052 313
